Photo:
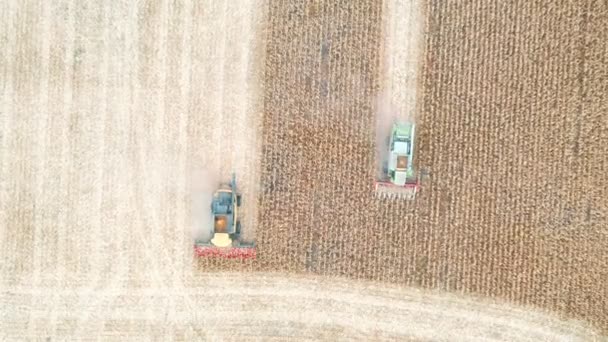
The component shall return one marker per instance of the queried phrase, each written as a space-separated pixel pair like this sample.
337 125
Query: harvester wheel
238 200
238 228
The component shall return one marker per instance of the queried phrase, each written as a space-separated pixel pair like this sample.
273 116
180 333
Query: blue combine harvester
226 231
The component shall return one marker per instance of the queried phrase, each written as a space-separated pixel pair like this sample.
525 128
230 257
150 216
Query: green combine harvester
399 177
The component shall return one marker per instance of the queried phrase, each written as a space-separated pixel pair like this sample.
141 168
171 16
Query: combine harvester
226 231
399 178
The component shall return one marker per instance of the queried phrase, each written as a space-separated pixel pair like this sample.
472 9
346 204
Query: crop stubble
260 306
109 111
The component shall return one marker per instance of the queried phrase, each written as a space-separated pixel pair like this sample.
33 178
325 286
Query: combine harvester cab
226 231
399 178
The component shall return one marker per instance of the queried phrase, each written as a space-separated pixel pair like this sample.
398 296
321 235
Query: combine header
399 178
226 231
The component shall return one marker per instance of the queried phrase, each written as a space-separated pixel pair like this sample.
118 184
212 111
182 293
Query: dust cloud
202 185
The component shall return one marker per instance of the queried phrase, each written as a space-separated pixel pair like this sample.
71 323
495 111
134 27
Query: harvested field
111 110
265 307
114 118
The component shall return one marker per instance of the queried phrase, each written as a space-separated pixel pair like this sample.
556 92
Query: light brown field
258 306
110 110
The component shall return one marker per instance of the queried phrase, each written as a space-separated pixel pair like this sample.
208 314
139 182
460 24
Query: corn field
512 129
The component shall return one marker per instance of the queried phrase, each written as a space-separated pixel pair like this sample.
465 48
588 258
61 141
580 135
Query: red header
225 253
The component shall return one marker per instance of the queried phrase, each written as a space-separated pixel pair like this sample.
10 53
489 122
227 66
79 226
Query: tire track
7 53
